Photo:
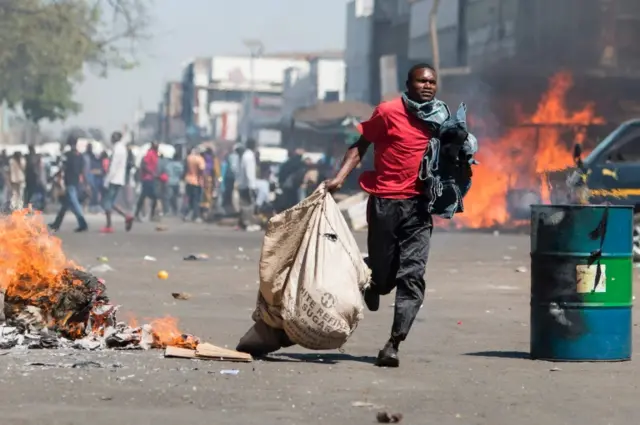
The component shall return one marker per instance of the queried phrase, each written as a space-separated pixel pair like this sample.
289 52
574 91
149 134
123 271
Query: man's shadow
324 358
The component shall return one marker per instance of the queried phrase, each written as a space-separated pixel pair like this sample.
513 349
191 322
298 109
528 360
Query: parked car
610 173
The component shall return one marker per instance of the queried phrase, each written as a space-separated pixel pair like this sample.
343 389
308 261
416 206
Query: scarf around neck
434 113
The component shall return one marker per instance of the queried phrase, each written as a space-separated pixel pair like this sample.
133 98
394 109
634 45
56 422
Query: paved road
464 363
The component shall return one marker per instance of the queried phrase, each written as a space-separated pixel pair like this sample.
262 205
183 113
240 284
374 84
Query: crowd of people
199 186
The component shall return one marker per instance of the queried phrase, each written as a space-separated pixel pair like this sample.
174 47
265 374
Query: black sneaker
388 356
81 229
371 299
53 228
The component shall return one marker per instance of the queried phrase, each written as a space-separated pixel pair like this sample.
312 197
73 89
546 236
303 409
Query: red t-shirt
399 140
150 168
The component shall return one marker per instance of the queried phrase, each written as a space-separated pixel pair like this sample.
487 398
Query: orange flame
519 159
34 269
166 333
29 249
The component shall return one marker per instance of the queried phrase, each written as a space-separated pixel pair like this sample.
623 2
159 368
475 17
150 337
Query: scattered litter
150 258
87 364
503 287
555 369
102 268
522 269
196 257
41 364
496 233
161 228
176 248
106 398
181 295
78 365
389 418
512 248
240 249
103 259
163 274
365 404
243 257
460 323
232 372
507 258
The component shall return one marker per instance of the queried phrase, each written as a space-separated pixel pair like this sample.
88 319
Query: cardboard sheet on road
208 352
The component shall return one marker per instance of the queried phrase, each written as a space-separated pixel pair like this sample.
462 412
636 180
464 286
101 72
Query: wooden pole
433 32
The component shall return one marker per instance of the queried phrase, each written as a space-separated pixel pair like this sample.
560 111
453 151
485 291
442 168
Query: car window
626 150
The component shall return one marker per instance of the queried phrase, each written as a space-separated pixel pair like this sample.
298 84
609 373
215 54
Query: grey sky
184 29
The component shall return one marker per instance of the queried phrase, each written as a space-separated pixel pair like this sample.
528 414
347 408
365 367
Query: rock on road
465 361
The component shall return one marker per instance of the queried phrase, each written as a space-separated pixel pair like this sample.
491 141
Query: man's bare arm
351 159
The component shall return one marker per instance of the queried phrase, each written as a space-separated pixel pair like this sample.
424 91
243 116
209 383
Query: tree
46 45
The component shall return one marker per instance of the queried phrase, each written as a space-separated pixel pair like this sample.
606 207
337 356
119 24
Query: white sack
312 274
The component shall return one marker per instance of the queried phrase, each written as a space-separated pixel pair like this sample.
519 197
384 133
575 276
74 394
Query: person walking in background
32 171
310 180
290 178
74 180
93 176
161 185
175 171
247 187
148 178
194 179
4 179
35 180
130 179
229 181
115 180
211 174
17 180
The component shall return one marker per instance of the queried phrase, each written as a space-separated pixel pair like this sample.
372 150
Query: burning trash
514 164
49 302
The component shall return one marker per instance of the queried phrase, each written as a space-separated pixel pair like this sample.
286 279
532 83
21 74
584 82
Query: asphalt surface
465 361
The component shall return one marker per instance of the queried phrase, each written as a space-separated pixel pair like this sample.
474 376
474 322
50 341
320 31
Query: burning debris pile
520 157
49 302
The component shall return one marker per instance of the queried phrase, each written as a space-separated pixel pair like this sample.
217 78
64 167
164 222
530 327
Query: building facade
231 98
358 50
377 55
172 125
324 81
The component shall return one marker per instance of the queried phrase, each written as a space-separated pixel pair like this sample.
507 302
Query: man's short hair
421 65
116 137
72 140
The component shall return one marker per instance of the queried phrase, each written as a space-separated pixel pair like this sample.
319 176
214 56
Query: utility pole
256 49
433 33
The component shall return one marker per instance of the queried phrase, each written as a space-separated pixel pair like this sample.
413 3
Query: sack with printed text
312 275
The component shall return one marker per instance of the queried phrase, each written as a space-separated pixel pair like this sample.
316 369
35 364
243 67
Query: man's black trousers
398 243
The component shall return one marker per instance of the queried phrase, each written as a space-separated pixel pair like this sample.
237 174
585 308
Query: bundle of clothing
445 170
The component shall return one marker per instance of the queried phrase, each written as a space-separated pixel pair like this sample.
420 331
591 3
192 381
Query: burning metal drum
581 282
